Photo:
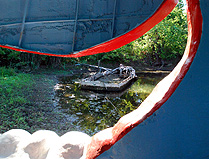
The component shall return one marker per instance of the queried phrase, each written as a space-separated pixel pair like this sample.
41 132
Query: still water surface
91 111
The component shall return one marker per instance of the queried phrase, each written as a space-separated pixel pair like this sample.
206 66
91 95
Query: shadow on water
91 111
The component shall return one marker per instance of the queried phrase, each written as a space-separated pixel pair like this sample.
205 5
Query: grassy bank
14 94
26 102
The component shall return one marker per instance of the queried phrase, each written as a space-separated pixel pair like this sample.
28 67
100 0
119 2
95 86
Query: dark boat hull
110 87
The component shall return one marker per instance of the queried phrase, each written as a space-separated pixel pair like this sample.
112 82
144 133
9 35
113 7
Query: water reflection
91 112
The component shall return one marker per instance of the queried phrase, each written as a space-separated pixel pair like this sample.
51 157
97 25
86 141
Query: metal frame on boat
110 80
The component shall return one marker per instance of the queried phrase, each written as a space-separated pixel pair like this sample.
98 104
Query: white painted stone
43 144
40 143
71 146
10 141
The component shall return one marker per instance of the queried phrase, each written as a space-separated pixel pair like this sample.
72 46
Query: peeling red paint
103 140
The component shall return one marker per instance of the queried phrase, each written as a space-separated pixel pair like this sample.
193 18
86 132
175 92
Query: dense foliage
165 41
14 59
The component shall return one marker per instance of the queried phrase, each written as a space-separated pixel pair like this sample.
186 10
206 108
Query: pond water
91 112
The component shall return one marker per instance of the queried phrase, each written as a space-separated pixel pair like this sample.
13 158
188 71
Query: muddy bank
42 112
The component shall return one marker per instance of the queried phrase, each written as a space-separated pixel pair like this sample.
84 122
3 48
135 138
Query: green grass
26 102
6 72
14 94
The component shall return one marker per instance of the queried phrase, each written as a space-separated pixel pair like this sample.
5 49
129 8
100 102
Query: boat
74 28
109 80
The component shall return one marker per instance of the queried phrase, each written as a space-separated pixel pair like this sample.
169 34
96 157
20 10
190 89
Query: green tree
165 41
